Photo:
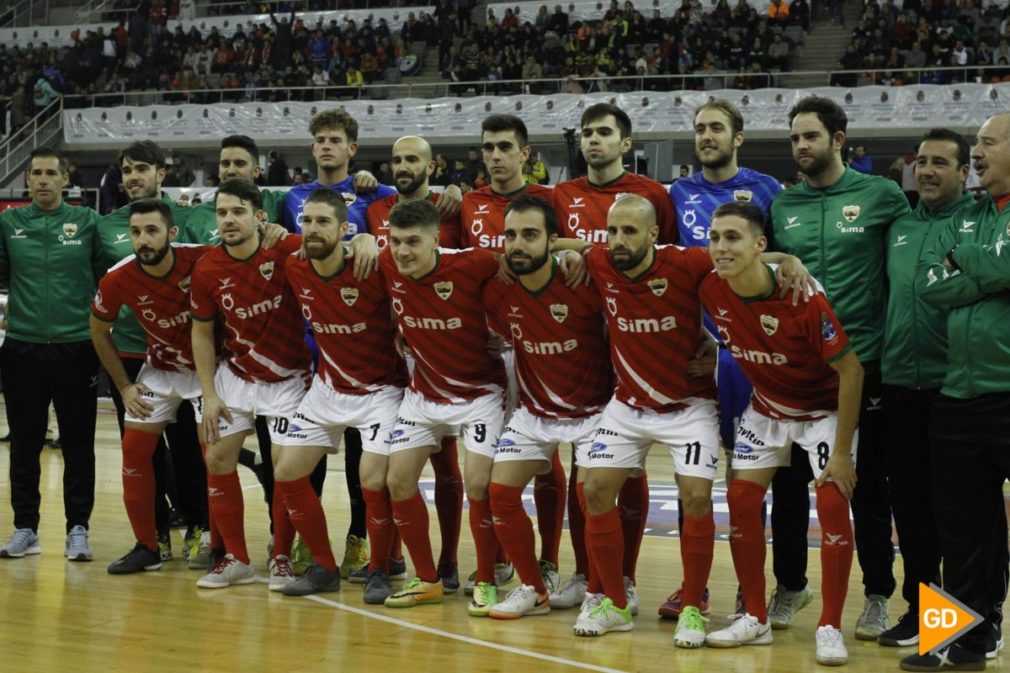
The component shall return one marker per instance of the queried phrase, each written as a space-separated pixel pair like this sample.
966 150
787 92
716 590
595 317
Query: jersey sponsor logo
307 312
432 323
901 240
612 305
594 236
69 229
494 242
749 435
443 289
605 432
967 227
851 212
689 220
848 230
665 323
874 404
185 283
758 357
337 328
658 286
573 221
349 295
548 347
175 321
743 447
828 331
144 300
744 195
246 312
559 311
98 302
723 333
267 270
791 222
769 323
597 451
149 315
306 294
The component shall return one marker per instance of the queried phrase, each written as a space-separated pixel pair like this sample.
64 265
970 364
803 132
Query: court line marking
456 636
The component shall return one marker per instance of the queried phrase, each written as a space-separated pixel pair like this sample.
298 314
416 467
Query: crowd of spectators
928 34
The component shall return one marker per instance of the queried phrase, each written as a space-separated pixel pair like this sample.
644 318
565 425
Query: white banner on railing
868 108
63 36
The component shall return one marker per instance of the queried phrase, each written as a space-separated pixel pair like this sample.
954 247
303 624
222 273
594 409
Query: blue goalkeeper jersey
695 199
357 204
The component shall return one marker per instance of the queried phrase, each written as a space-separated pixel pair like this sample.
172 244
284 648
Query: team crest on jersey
850 213
744 195
184 284
267 270
828 331
658 286
349 295
770 324
70 229
443 289
559 312
349 197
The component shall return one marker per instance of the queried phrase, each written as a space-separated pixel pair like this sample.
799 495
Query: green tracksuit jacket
201 226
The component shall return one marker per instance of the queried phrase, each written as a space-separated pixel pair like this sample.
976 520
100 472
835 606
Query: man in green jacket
968 271
143 169
836 221
913 363
50 259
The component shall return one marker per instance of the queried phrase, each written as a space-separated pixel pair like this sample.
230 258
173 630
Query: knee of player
696 504
477 488
400 487
504 497
373 481
600 496
217 464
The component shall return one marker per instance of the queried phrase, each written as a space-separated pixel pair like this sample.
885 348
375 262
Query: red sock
381 529
577 525
396 548
228 508
448 499
697 545
595 586
284 530
139 484
216 541
305 513
747 543
836 552
484 539
515 530
633 502
605 542
500 555
411 517
549 494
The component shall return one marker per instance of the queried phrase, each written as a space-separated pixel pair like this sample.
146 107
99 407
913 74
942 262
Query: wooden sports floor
60 616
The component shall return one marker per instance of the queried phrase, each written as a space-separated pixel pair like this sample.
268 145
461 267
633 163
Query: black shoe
137 561
315 580
449 574
903 634
953 658
176 518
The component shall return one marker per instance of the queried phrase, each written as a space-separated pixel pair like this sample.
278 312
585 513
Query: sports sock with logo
227 508
411 517
381 529
747 543
836 552
305 513
515 530
139 484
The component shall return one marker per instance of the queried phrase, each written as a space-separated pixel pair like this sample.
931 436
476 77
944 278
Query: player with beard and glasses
359 382
565 379
581 205
837 220
154 284
334 144
718 136
412 167
505 148
436 296
807 385
179 471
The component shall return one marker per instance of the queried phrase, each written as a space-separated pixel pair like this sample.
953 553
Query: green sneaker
165 546
690 631
604 618
485 596
355 555
416 592
301 557
549 573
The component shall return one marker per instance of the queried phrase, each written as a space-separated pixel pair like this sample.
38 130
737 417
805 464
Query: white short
767 442
166 391
324 413
278 402
508 356
625 434
529 437
422 422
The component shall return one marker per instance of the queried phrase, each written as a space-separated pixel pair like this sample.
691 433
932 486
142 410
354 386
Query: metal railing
102 10
23 13
447 88
39 130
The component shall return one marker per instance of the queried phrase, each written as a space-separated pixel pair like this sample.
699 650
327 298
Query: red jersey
352 326
482 215
442 318
582 206
264 337
654 323
783 349
161 305
377 220
562 362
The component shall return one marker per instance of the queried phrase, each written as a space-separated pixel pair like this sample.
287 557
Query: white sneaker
281 573
571 593
604 618
690 631
549 574
521 602
631 594
831 646
590 602
228 571
746 630
784 605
